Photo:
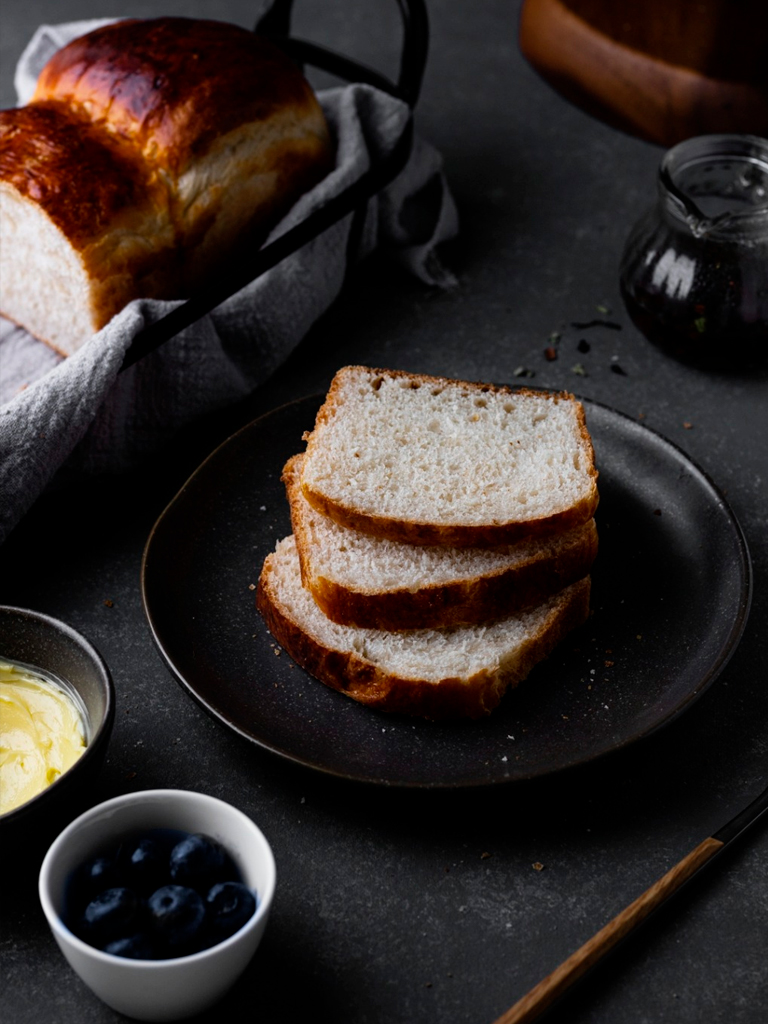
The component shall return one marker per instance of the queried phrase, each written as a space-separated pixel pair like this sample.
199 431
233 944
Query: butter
42 733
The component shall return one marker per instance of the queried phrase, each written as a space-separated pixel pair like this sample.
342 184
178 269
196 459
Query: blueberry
177 918
93 878
145 864
111 915
135 947
200 862
229 905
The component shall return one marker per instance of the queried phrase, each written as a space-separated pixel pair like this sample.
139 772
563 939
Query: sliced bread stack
443 535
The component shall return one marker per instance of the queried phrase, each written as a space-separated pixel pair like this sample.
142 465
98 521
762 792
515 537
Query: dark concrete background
387 910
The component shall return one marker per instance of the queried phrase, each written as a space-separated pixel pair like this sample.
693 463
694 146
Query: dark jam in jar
694 273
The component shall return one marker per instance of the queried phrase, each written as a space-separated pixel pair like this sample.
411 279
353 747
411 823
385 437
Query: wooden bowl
663 70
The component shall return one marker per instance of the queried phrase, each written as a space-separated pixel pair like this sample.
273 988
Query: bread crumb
485 855
537 865
251 586
687 425
108 602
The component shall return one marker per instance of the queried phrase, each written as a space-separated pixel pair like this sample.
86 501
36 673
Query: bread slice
429 460
361 580
461 672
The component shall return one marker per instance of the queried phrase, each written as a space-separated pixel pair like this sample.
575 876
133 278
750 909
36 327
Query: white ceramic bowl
160 990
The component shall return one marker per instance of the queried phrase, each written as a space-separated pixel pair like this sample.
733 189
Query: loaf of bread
361 580
435 674
151 149
428 460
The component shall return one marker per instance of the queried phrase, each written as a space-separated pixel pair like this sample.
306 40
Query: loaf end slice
361 580
429 460
434 674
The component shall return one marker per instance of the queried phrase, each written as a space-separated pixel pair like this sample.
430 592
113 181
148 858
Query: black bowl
52 646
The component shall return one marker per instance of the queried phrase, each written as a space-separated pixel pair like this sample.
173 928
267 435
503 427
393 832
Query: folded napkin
82 415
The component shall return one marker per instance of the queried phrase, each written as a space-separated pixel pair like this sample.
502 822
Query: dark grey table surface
400 906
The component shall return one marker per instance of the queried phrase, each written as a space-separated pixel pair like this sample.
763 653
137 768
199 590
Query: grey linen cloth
63 417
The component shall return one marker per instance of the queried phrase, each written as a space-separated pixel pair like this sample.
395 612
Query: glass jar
694 273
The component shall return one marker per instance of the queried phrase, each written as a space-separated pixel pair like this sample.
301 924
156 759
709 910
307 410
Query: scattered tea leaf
582 325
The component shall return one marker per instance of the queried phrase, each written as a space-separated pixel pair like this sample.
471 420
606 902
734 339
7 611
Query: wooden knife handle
560 980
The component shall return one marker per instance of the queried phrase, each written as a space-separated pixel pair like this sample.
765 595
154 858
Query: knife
555 985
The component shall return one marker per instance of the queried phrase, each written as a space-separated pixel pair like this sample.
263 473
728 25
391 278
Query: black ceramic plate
671 590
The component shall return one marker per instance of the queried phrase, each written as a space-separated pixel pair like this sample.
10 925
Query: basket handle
276 23
231 279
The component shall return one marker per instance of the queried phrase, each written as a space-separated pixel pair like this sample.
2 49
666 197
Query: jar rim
703 149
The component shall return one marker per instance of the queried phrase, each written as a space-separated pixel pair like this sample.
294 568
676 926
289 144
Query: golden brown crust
437 606
152 81
457 536
462 603
449 698
453 535
71 170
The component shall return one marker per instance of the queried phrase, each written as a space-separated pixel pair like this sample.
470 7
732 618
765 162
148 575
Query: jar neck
716 187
